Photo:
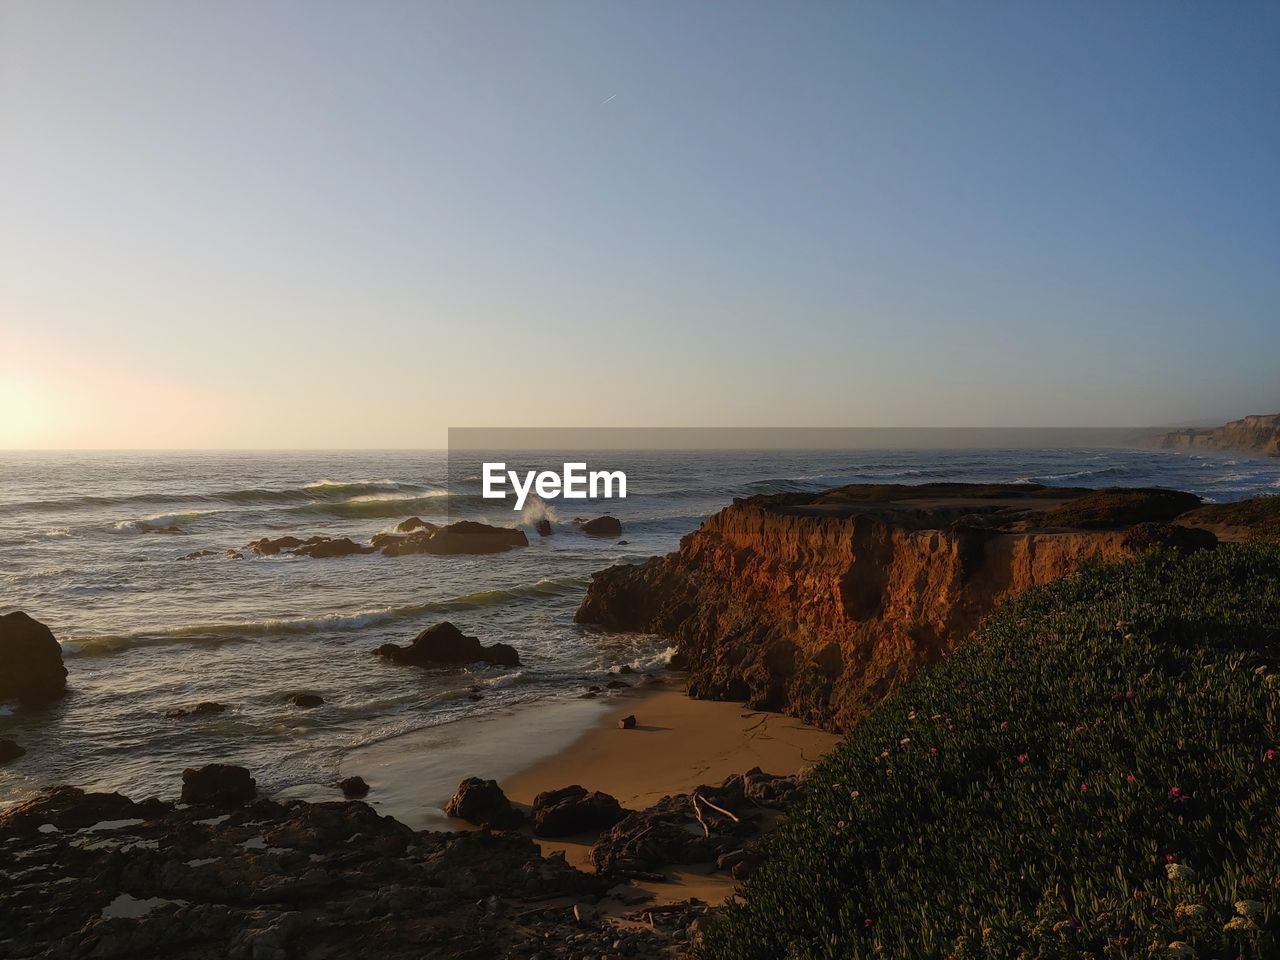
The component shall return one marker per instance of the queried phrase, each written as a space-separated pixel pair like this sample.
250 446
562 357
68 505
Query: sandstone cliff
1256 434
821 605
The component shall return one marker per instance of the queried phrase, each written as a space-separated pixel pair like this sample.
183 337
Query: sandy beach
677 744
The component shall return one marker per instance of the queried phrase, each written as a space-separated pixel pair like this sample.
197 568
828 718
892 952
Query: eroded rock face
446 645
1258 434
31 669
820 605
483 803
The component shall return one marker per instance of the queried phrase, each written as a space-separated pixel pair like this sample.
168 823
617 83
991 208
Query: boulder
603 527
415 523
543 527
446 645
204 709
570 810
617 685
31 669
218 785
353 788
628 722
463 537
10 751
483 803
306 700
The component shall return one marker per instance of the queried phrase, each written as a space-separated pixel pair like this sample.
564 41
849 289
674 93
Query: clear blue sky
321 224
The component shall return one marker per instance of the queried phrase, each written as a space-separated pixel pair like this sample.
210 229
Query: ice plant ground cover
1096 773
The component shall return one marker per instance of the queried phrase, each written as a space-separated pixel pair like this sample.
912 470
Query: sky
301 225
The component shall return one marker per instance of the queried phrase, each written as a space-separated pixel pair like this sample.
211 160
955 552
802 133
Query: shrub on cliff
1121 507
1095 774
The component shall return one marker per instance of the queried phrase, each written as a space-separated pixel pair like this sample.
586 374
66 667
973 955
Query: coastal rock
1257 434
602 527
316 547
463 537
483 803
283 880
819 605
306 700
31 669
628 722
204 709
9 750
570 810
70 808
353 787
446 645
543 527
415 523
218 785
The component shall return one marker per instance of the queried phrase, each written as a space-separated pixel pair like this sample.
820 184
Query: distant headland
1259 434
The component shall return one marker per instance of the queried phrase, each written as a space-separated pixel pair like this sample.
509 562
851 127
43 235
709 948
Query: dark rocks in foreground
273 880
31 669
570 810
218 785
10 750
483 803
446 645
353 787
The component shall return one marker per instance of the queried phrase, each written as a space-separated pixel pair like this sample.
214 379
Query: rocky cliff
1256 434
820 605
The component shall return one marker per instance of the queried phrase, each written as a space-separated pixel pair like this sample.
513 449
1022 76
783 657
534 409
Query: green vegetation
1121 507
1095 774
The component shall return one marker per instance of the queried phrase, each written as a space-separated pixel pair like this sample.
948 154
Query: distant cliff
1256 434
820 605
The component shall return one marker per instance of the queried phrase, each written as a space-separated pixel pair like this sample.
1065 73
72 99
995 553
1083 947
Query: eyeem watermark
576 482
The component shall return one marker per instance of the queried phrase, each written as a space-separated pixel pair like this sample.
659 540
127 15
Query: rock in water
306 700
603 527
353 788
218 785
10 751
483 803
445 645
561 813
203 709
31 669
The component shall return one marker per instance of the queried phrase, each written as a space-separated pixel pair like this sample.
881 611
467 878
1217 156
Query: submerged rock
9 750
483 803
218 785
570 810
446 645
306 700
203 709
31 669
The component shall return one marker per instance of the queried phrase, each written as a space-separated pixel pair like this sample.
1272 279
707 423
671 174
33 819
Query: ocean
91 545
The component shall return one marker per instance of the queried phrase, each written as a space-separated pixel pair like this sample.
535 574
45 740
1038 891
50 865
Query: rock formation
1258 434
819 605
446 645
570 810
463 537
602 527
483 803
316 547
218 785
31 669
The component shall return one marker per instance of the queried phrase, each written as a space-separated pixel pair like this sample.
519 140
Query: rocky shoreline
224 873
820 605
1257 434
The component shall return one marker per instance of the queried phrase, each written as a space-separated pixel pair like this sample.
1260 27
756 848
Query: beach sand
677 744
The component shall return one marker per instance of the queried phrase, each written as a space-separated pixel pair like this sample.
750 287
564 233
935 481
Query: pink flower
867 922
1022 758
933 751
1169 858
854 794
1084 788
1130 778
1270 754
1004 724
1175 793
